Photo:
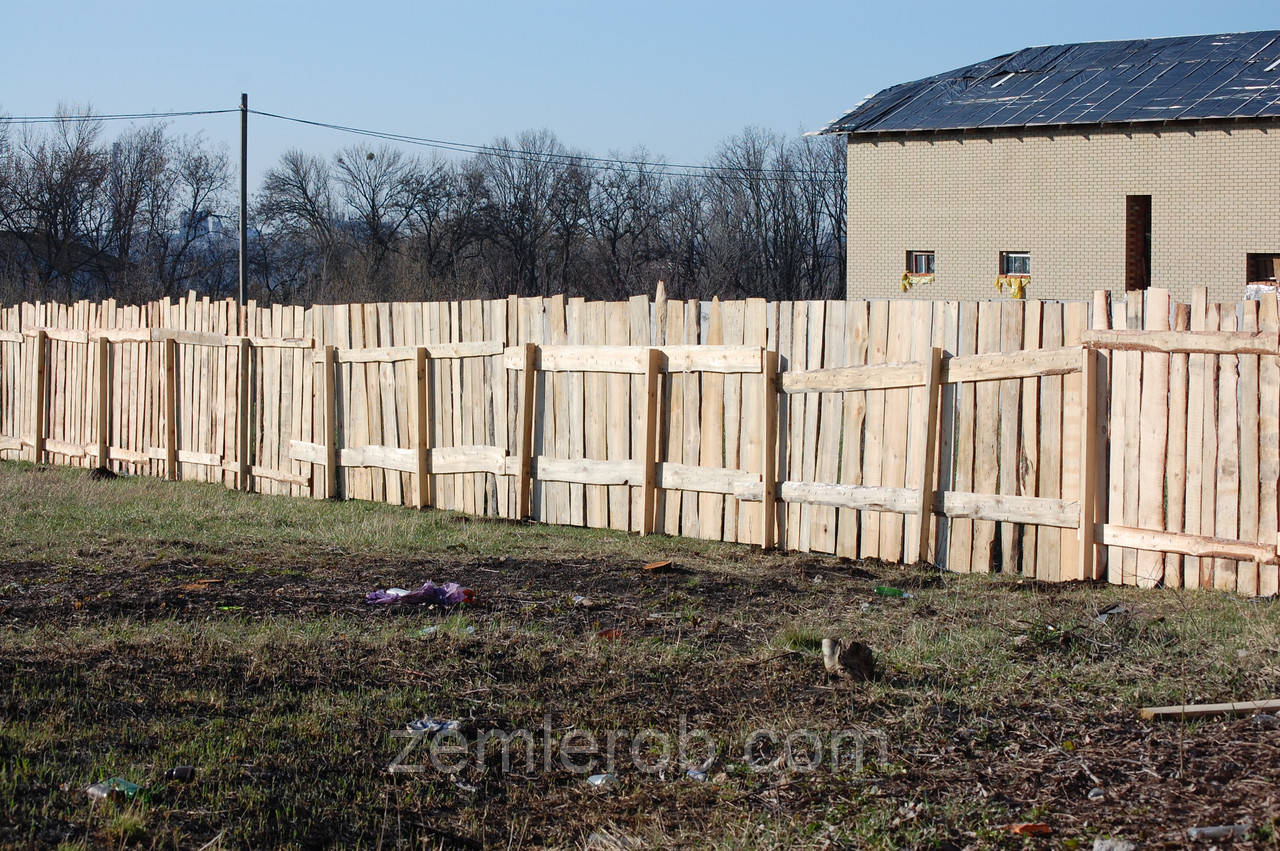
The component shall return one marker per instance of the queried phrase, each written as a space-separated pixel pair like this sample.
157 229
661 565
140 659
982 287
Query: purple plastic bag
447 594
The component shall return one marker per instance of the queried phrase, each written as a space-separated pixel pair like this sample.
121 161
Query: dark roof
1105 82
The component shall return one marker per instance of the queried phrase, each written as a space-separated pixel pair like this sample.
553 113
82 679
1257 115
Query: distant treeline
150 214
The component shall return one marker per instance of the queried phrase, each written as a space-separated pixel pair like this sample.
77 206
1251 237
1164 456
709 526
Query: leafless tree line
151 214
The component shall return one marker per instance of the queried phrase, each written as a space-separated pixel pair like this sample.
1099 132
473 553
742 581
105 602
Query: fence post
38 415
1089 460
649 463
524 484
329 397
242 417
423 436
171 408
769 463
104 401
929 446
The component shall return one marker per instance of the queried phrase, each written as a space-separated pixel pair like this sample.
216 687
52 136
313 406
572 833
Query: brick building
1065 169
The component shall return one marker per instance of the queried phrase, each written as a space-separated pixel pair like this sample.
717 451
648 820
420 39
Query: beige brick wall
1215 197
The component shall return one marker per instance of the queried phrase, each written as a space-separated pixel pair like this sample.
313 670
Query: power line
600 163
130 116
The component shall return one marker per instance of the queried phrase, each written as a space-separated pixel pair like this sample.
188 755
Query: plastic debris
584 602
448 594
1029 828
1100 844
695 774
1266 721
603 781
181 772
657 566
1220 831
1113 609
434 629
887 591
1097 793
116 787
430 726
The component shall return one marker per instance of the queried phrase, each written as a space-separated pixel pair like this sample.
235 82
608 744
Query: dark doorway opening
1137 242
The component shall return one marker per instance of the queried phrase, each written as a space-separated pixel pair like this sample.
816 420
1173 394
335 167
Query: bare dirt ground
252 655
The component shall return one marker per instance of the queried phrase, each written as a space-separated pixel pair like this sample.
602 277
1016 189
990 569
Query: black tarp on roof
1106 82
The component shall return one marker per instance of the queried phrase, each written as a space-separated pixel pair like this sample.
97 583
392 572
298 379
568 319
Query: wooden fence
1130 439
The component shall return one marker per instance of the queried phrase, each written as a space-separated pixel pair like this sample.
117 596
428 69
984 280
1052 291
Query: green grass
1000 700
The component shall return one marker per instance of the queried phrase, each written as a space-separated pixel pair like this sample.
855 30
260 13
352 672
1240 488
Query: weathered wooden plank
1208 444
1269 443
649 456
595 441
755 333
848 379
896 418
618 438
960 554
1175 477
1049 545
1154 438
691 439
1227 514
855 411
1226 342
986 429
588 471
1205 710
1074 319
1200 546
1248 416
710 357
927 429
769 449
1012 315
711 422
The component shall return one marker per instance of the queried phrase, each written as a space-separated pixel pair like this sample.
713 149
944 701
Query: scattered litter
1029 828
1113 609
888 591
231 608
695 774
848 658
1101 844
1221 831
466 787
181 772
1097 793
430 726
817 578
657 566
1202 710
448 594
584 602
609 634
603 781
428 631
116 787
1266 721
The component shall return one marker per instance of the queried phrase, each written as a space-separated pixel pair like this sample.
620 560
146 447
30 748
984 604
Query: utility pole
244 202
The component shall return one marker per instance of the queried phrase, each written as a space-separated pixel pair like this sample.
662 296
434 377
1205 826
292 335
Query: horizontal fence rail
1130 439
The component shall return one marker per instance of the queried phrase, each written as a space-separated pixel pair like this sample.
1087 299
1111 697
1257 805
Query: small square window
919 262
1262 268
1015 262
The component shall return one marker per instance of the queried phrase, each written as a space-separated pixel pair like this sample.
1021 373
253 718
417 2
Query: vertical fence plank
41 343
986 459
649 455
1090 462
927 428
595 441
1049 542
755 332
329 379
575 324
1012 316
104 402
618 436
1176 457
769 449
960 556
1269 444
638 333
171 408
1226 522
733 315
711 440
1247 572
422 428
1209 448
528 388
1153 440
854 414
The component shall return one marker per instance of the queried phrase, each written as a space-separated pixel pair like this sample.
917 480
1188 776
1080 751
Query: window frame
913 255
1006 256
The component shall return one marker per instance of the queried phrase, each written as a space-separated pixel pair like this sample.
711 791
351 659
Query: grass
146 624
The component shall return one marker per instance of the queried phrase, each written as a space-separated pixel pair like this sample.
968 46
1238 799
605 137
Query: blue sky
675 78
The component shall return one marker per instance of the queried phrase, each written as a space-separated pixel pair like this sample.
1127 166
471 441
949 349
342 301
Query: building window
1015 262
919 262
1262 268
